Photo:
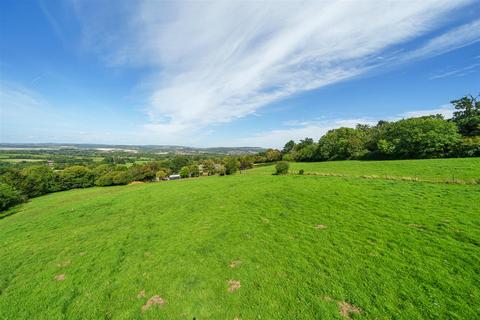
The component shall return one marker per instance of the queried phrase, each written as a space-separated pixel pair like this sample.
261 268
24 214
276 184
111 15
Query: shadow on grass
11 211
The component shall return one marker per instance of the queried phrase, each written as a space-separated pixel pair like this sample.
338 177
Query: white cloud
301 130
218 61
446 111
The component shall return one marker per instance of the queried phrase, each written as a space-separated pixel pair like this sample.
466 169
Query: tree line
412 138
17 184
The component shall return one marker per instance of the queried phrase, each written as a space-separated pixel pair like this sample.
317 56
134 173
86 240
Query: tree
161 174
246 162
208 167
103 169
423 137
281 167
194 171
309 152
467 116
105 180
38 180
9 196
231 165
77 177
343 143
178 162
288 146
273 155
185 172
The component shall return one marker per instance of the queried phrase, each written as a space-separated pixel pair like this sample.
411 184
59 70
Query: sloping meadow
247 246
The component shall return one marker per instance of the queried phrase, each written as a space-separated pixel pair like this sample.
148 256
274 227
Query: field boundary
394 178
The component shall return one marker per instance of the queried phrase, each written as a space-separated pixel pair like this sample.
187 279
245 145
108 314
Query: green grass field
434 170
251 246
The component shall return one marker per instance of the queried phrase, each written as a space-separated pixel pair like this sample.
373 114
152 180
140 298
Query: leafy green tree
281 167
423 137
288 147
273 155
178 162
38 180
77 177
121 177
246 162
185 172
308 152
194 171
102 169
105 180
343 143
467 116
9 196
208 166
161 174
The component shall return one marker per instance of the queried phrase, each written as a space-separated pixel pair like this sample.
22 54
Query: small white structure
174 177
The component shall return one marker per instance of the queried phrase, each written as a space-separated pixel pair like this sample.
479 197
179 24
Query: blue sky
227 73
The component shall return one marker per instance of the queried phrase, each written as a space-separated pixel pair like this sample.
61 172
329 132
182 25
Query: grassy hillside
250 246
435 170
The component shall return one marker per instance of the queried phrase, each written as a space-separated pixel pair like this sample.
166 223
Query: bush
9 196
77 177
301 171
281 167
38 180
231 165
185 172
161 175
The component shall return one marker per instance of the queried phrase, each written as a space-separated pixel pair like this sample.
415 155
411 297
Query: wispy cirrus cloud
458 72
215 62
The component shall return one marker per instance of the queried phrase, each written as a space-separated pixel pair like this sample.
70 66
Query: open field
435 170
251 246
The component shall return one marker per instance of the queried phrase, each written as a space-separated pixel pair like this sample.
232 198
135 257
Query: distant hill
133 148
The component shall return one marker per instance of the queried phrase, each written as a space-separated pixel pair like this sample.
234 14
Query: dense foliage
18 183
422 137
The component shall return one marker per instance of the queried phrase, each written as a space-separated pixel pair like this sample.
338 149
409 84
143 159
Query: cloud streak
216 62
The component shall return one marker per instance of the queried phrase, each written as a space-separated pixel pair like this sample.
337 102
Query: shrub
38 180
231 165
281 167
301 171
9 196
161 175
221 170
185 172
77 177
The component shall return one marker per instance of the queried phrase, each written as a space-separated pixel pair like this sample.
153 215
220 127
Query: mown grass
302 246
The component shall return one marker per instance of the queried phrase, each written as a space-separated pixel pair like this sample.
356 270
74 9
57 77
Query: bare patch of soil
320 226
233 285
155 300
141 294
346 309
60 277
235 263
137 182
